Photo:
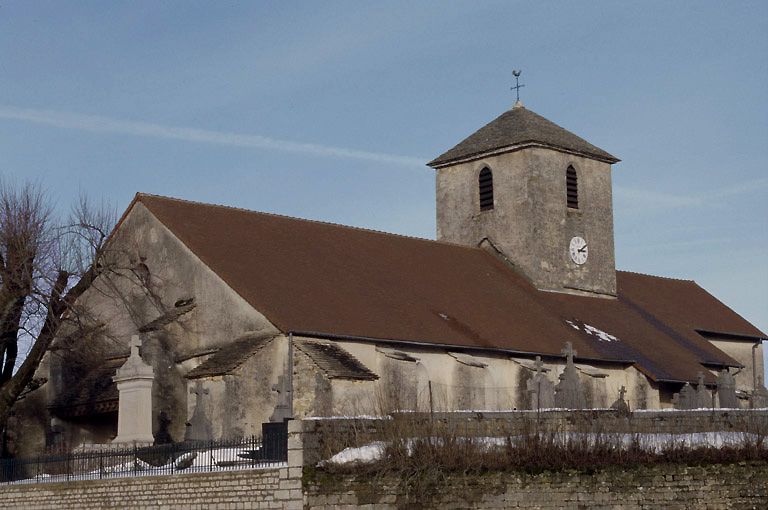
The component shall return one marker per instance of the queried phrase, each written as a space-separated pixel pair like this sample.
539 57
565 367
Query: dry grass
415 444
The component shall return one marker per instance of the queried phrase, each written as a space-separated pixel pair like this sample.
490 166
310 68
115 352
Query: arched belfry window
485 185
572 188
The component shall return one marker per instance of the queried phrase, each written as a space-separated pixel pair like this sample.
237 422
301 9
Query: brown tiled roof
319 277
93 394
520 127
230 357
336 362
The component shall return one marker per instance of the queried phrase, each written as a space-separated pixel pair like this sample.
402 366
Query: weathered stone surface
703 398
542 392
530 222
759 398
620 404
134 383
568 393
541 388
726 391
199 428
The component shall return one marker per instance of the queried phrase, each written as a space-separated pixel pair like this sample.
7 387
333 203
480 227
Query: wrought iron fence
113 462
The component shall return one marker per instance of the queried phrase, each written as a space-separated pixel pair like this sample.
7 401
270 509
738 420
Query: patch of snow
360 455
574 326
650 442
358 417
600 334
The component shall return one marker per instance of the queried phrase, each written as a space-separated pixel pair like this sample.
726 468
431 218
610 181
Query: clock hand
583 249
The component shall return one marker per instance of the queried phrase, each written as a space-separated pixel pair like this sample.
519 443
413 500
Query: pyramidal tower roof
516 129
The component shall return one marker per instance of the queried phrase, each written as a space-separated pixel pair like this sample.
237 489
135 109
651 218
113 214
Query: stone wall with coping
321 438
271 489
297 486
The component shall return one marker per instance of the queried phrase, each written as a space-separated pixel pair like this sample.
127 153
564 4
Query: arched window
485 185
572 188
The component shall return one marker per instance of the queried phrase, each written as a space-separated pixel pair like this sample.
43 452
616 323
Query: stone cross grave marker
541 388
686 397
283 407
199 427
621 404
568 392
703 398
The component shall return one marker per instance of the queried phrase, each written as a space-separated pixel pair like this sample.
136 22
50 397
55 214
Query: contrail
100 124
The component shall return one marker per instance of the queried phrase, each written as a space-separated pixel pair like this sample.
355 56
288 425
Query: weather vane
517 86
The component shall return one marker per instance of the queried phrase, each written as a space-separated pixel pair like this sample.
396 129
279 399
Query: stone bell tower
536 194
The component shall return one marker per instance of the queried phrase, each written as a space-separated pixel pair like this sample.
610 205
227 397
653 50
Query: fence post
101 464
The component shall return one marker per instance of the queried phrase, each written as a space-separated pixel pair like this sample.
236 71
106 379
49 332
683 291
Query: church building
248 318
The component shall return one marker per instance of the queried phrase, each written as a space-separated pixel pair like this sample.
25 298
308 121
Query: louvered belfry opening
572 188
485 182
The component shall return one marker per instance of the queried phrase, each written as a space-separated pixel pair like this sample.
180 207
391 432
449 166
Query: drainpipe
754 364
290 374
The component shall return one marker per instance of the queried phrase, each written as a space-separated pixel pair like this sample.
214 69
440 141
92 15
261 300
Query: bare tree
44 268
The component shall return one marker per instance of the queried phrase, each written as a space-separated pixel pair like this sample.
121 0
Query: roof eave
724 335
440 163
336 336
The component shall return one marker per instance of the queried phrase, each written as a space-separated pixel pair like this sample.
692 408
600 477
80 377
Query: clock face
578 250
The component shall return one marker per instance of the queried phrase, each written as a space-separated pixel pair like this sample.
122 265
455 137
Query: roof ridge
329 223
657 276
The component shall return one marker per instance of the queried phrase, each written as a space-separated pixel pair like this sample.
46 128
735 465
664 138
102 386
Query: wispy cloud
100 124
642 199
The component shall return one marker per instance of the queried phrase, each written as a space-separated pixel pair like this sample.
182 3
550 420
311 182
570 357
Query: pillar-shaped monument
134 382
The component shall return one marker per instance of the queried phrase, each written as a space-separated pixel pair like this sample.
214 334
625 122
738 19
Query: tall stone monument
726 390
134 383
568 393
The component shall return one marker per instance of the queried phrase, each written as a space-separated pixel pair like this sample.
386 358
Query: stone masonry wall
743 486
300 486
226 490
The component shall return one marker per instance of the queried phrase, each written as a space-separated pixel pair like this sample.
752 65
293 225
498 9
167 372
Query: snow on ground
193 462
649 442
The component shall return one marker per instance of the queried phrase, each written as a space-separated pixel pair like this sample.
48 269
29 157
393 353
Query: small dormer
540 194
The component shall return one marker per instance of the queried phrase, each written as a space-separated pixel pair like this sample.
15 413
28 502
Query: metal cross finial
517 86
622 392
539 365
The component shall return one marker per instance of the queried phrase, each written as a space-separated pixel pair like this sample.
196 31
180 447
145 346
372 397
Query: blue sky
329 111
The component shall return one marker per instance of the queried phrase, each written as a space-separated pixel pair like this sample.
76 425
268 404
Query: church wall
440 382
531 223
235 405
121 302
313 394
742 352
